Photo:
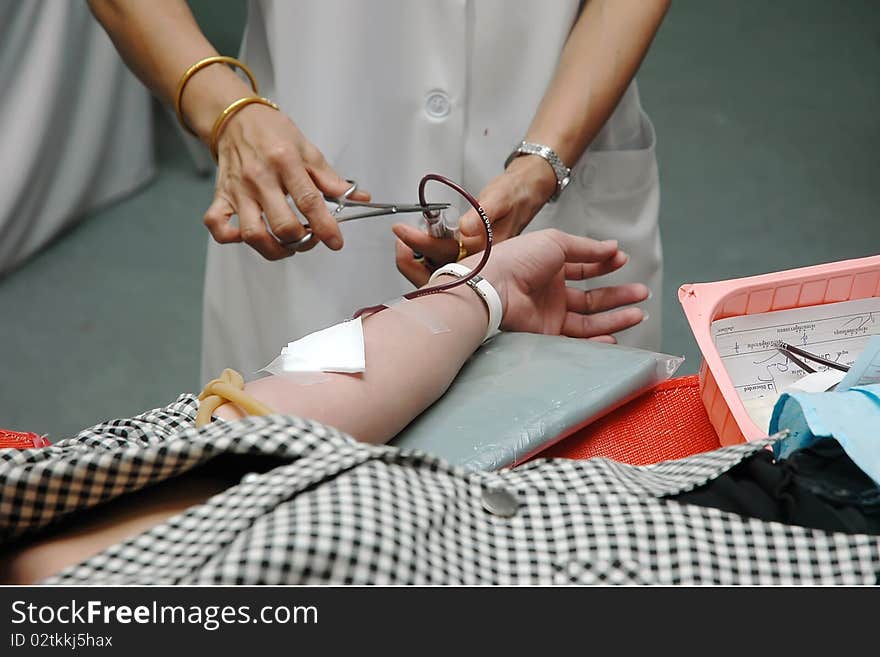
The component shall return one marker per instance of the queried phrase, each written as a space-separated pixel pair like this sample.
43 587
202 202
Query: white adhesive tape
418 313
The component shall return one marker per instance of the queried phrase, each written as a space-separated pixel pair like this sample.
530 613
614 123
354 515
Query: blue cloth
851 417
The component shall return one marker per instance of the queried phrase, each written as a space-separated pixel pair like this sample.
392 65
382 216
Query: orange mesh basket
21 440
667 422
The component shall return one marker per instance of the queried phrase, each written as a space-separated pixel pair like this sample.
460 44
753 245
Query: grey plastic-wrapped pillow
522 392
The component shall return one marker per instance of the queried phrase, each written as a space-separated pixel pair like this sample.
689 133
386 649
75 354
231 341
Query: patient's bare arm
409 367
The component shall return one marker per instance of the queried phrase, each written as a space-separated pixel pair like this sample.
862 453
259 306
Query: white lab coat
390 90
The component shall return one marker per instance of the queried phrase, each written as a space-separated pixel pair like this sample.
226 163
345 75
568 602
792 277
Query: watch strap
563 173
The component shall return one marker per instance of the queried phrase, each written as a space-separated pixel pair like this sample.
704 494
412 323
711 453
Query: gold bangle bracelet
198 66
227 114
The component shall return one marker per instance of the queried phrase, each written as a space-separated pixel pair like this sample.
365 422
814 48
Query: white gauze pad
338 348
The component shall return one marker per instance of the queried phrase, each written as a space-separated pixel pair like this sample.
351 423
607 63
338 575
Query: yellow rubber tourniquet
229 387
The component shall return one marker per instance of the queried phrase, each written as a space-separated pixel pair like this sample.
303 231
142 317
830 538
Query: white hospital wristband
483 288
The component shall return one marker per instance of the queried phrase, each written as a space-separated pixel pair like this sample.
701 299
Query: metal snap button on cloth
500 502
437 104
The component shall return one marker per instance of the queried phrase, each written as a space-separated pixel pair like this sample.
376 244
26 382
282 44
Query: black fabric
817 487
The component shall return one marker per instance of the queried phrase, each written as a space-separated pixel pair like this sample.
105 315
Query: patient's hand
530 271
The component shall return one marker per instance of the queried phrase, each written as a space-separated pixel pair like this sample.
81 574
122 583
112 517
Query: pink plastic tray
703 303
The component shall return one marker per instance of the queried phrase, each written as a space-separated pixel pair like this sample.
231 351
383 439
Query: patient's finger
601 299
577 325
439 251
584 249
580 271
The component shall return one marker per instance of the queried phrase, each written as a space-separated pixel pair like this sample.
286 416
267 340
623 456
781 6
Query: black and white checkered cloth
335 510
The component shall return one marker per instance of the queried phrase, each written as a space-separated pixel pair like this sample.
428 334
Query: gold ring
462 252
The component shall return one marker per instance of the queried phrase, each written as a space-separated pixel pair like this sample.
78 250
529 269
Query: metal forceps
790 350
371 210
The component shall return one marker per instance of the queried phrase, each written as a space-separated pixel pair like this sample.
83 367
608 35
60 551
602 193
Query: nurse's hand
511 201
530 274
262 158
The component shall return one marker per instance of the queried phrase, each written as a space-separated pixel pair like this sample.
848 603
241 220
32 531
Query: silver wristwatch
563 173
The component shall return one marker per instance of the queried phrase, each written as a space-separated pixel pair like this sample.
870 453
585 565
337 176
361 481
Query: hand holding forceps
431 211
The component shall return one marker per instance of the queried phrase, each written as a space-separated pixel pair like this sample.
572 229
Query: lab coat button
437 104
588 173
500 502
